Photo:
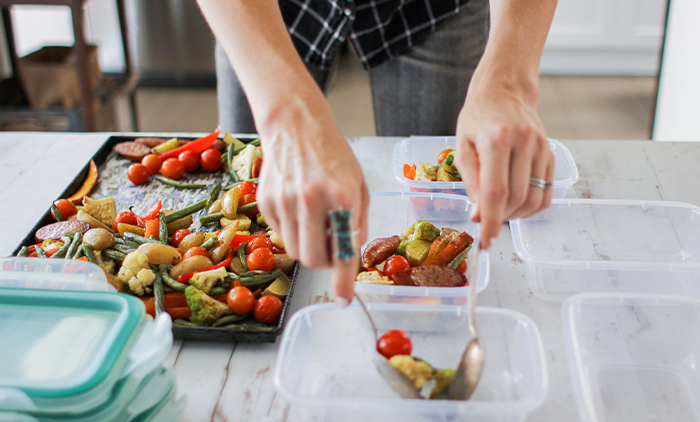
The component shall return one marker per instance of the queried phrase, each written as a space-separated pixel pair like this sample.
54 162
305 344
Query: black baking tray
105 158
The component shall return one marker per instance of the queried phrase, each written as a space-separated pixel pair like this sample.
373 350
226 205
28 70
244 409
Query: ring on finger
540 183
341 233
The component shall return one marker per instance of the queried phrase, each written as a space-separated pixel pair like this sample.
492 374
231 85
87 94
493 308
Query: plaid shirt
378 29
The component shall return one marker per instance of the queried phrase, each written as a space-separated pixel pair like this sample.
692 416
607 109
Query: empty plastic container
426 150
586 245
324 366
632 357
391 212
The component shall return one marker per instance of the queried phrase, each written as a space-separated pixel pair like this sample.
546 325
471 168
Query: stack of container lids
74 350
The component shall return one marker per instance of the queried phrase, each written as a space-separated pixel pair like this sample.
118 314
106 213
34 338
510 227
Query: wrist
501 72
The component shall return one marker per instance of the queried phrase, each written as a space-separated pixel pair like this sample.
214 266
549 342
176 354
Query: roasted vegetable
417 251
104 209
137 273
205 309
205 280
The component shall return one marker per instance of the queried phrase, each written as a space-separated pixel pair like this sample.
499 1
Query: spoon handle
371 321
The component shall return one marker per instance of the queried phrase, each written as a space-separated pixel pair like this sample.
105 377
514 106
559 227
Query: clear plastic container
52 274
391 212
586 245
426 150
324 366
632 357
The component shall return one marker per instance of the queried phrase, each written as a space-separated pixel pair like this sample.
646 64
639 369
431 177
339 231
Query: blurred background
599 73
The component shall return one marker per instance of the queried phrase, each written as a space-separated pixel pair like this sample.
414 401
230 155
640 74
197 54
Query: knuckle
495 193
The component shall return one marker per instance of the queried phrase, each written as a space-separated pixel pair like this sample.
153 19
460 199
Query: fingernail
341 302
475 209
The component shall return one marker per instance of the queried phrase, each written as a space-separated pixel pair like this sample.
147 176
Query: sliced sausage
150 142
56 230
379 249
430 276
454 248
134 151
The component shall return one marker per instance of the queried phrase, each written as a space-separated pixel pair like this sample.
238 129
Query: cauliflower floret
242 164
104 209
418 371
426 172
205 280
136 272
373 277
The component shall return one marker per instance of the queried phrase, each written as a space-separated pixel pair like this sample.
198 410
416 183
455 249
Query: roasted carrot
453 249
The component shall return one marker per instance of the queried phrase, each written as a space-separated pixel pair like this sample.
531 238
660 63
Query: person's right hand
309 170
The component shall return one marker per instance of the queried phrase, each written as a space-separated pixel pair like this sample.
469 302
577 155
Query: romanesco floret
205 309
205 280
136 272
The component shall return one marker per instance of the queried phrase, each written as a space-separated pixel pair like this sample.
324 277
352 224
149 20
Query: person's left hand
501 145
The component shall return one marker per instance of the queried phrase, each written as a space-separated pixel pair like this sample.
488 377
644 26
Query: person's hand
309 170
501 145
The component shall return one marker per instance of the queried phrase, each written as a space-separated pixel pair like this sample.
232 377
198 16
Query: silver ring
342 233
540 183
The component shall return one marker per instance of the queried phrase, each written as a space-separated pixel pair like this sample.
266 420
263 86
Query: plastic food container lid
632 356
52 274
588 245
325 367
391 212
426 149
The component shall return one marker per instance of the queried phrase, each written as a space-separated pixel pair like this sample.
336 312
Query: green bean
216 291
158 292
163 226
454 174
40 252
73 246
179 185
450 159
123 248
253 272
213 195
24 251
69 233
184 323
211 218
459 258
88 253
260 281
229 159
56 212
247 207
138 239
231 319
131 244
190 209
233 185
62 252
171 282
209 243
80 251
241 254
113 254
248 327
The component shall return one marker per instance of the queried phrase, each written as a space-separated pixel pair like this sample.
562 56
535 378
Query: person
310 170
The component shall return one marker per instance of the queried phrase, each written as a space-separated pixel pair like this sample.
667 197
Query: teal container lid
62 344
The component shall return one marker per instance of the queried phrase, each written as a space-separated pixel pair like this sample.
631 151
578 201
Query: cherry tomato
126 217
179 235
258 242
462 267
211 159
394 264
247 187
241 300
152 163
138 174
257 166
190 159
66 208
195 250
394 342
443 155
172 168
247 199
268 309
261 259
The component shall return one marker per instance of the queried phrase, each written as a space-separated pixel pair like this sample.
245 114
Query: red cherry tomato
152 163
241 300
247 187
211 160
394 264
258 242
394 342
126 217
195 250
268 309
190 159
247 199
65 207
443 155
138 174
179 235
261 259
462 267
172 168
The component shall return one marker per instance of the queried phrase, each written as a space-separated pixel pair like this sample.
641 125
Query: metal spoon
396 380
471 365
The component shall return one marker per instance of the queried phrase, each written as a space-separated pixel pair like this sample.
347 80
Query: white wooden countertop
233 382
